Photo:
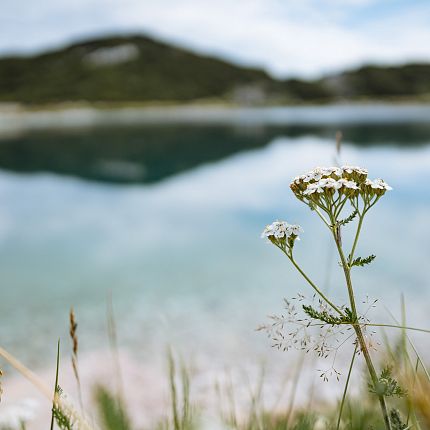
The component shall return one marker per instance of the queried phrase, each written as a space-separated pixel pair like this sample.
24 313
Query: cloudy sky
305 38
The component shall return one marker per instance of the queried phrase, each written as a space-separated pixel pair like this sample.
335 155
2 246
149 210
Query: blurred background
145 145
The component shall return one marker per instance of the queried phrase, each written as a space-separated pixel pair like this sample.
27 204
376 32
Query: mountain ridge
137 68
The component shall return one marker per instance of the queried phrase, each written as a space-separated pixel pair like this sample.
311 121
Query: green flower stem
318 291
322 217
340 207
366 208
357 327
357 234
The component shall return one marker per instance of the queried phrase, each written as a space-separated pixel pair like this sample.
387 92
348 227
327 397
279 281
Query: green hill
122 69
140 69
412 80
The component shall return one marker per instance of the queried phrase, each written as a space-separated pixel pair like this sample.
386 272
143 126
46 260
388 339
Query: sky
288 38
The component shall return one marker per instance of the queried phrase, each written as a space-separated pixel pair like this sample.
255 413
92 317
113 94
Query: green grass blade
56 385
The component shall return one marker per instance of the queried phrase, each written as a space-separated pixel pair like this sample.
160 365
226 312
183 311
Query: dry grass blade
421 400
297 375
75 345
27 373
1 389
63 408
419 358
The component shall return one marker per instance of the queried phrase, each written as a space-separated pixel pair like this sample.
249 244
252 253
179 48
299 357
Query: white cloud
289 37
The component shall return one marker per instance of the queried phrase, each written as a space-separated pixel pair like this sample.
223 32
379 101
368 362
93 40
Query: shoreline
15 118
149 406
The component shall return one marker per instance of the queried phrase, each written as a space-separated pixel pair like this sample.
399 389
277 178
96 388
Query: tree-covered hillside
140 69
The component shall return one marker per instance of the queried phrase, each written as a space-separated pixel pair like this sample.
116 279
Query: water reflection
150 153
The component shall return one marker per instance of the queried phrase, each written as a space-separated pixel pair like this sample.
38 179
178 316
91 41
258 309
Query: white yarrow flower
268 231
380 184
298 179
280 229
331 183
328 171
352 169
294 229
351 185
316 187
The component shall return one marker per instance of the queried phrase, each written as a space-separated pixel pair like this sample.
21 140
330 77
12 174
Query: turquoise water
168 218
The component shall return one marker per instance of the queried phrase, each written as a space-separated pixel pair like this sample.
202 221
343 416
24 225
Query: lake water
167 216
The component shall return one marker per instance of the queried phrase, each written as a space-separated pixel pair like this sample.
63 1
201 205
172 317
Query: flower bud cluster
377 187
349 181
281 233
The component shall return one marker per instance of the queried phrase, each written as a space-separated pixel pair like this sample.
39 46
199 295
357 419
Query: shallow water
168 218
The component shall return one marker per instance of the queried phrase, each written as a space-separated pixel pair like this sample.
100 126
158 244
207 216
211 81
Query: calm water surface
168 218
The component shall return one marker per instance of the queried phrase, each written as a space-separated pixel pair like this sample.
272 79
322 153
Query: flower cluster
281 233
378 186
348 181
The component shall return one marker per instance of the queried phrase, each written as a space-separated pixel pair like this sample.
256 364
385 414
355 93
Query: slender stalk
173 392
357 234
358 324
342 403
396 326
293 393
317 290
413 347
366 208
340 207
322 217
75 346
357 327
411 410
